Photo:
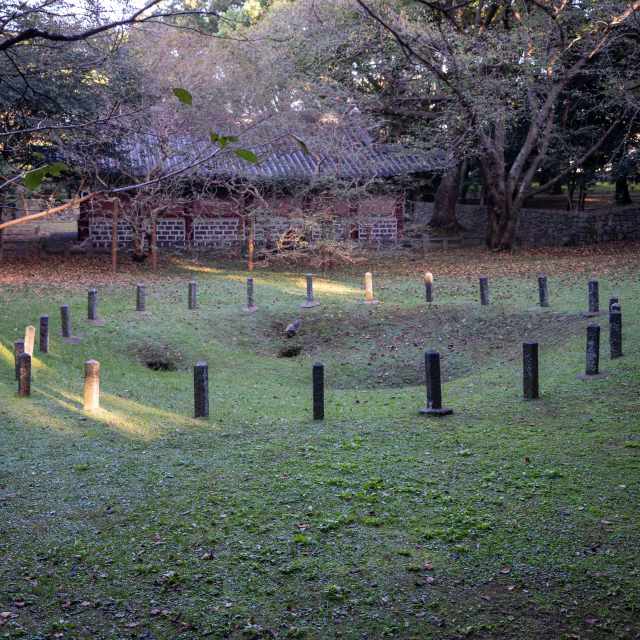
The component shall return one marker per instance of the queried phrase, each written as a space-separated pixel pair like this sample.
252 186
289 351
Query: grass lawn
508 519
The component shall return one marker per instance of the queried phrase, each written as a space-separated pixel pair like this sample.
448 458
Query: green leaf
222 141
214 137
231 138
33 179
303 146
38 155
56 168
249 156
183 95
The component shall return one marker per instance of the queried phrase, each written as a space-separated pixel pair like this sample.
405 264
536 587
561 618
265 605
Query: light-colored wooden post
154 248
114 238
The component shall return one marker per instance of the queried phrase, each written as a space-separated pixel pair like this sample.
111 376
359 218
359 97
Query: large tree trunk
444 207
501 227
622 191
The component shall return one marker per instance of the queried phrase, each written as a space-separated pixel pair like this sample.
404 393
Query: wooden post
114 238
369 238
154 248
251 234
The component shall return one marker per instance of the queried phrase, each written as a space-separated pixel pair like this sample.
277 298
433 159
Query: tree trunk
464 176
501 227
622 191
582 196
444 208
557 189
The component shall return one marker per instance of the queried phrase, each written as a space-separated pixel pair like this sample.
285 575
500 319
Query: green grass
140 521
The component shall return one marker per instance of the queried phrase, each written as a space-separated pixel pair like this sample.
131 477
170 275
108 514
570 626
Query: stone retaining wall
547 226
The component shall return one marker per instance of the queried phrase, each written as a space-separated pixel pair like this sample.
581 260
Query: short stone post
65 314
192 295
92 304
92 308
368 285
310 301
530 370
18 350
484 290
544 292
594 300
434 386
141 298
251 305
29 339
593 354
91 385
612 300
615 331
318 391
201 389
44 333
594 297
24 381
428 284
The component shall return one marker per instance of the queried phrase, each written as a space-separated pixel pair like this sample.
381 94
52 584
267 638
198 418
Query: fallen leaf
591 620
18 603
5 614
154 612
430 580
120 614
86 603
511 587
131 624
605 522
420 615
505 570
214 608
229 604
427 565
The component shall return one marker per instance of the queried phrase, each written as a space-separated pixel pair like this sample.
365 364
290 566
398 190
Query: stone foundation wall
547 226
168 233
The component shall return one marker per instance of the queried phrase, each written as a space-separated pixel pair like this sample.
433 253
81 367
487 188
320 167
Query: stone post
92 308
44 333
615 331
18 350
201 390
92 304
530 370
434 386
612 300
544 292
192 295
594 297
368 285
310 301
91 385
318 391
141 298
24 381
66 320
29 339
484 290
428 283
251 305
593 348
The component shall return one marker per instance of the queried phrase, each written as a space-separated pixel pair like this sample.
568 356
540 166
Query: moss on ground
508 519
